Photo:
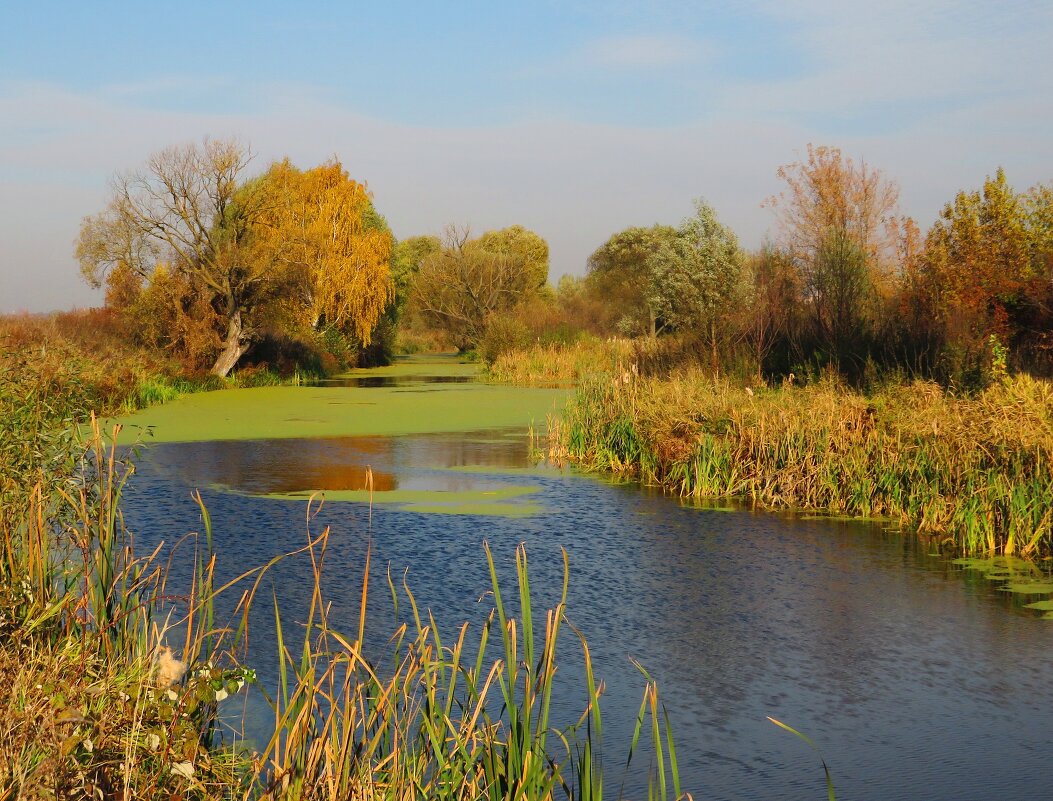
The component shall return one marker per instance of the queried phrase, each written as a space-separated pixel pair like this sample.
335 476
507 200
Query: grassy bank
974 472
81 359
115 678
560 364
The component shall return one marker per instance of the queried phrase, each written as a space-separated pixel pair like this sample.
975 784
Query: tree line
216 266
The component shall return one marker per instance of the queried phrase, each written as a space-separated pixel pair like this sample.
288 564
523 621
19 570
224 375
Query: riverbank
974 473
117 678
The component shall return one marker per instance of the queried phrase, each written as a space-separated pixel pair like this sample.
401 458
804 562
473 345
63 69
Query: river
915 678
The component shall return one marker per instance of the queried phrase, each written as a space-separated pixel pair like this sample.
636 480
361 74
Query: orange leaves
829 192
320 224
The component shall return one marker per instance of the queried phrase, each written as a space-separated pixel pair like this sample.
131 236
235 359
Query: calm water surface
918 682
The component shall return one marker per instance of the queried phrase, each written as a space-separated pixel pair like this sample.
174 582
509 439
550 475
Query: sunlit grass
561 364
973 472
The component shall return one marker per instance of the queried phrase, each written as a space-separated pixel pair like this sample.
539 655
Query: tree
828 192
623 272
232 258
181 210
528 250
459 288
407 258
320 225
696 274
842 294
769 302
837 222
1038 206
978 261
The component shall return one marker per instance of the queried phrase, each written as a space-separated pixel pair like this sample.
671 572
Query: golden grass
562 364
973 472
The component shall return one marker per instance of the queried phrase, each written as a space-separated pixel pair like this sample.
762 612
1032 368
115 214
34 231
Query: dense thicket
847 284
296 269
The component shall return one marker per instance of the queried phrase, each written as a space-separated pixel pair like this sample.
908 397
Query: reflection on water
373 381
277 466
916 681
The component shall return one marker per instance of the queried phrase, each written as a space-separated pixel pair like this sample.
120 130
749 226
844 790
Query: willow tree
187 209
319 224
253 253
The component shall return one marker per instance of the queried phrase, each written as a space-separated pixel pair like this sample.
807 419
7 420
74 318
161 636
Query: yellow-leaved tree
321 225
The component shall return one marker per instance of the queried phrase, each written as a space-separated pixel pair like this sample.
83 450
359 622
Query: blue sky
575 118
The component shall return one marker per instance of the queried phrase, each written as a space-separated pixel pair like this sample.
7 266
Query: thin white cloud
574 182
642 52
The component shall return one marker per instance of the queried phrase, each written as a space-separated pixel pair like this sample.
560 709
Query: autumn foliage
206 263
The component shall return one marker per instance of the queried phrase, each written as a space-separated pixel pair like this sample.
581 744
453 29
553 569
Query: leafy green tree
696 276
623 272
843 296
407 258
525 248
663 279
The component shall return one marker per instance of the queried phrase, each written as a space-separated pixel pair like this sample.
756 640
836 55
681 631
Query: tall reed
443 719
560 364
974 472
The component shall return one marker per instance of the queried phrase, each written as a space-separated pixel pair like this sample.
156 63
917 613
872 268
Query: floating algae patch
1029 588
304 412
1019 576
987 564
498 502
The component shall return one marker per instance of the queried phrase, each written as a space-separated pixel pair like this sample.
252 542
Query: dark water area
402 381
916 680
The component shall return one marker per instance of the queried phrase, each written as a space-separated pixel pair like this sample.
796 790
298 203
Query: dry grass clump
562 364
74 725
974 472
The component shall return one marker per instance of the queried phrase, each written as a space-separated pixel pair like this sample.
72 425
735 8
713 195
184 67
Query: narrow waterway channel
916 680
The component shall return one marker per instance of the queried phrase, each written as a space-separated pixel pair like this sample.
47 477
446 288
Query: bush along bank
972 472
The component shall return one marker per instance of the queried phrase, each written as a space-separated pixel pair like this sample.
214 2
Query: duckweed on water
282 412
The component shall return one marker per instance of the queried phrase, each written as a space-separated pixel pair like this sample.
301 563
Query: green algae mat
340 411
408 398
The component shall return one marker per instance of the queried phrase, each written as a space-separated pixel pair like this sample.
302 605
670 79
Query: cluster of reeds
975 472
113 679
443 718
560 364
113 682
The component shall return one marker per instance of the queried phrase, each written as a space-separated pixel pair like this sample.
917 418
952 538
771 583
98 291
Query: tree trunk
234 347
